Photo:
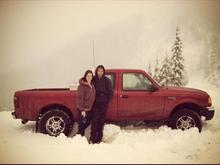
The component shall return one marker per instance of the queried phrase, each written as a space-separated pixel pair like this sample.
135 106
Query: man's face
100 72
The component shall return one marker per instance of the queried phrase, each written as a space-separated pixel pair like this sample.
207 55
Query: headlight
209 101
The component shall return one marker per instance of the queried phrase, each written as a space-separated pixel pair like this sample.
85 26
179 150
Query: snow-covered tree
149 71
214 67
156 74
177 63
214 59
165 72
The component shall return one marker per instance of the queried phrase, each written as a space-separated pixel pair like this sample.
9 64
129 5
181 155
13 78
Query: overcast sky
49 43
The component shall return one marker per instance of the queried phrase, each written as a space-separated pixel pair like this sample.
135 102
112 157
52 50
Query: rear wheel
185 119
54 122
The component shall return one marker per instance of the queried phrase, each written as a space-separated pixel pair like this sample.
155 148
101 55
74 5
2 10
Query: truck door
112 108
136 100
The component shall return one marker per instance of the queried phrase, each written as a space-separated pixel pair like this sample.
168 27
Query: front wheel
185 119
54 122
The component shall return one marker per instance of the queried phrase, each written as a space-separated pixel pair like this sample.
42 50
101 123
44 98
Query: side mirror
152 88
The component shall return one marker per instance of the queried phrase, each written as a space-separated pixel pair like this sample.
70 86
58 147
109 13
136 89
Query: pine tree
177 61
214 60
214 68
165 72
149 69
156 75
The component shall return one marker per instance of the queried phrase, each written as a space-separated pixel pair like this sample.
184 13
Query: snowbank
20 144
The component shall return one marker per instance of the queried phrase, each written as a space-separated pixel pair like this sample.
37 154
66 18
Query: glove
83 114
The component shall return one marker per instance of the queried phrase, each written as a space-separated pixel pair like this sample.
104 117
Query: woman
85 100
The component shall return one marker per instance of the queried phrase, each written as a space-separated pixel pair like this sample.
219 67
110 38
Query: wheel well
57 106
194 107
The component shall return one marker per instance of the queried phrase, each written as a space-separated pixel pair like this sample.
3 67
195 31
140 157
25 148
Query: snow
20 144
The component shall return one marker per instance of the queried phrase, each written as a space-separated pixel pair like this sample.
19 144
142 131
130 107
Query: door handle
124 96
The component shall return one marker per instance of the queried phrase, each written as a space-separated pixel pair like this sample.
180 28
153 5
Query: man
104 92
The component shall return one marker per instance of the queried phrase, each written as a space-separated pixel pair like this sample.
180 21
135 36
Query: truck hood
185 90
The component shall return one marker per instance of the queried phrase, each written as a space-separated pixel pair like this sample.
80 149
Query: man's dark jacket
104 90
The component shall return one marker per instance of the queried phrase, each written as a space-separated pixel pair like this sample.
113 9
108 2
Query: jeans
98 121
84 122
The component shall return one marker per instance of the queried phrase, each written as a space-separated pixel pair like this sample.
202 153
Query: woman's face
89 77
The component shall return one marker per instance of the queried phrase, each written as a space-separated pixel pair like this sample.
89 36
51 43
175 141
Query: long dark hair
85 74
100 66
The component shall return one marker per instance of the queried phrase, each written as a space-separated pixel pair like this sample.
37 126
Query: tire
54 122
185 119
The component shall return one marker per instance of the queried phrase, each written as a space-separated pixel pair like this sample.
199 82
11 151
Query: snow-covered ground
20 144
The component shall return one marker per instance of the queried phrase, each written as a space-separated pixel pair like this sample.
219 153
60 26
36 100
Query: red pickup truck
136 97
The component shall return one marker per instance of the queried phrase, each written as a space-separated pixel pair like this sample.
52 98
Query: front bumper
208 113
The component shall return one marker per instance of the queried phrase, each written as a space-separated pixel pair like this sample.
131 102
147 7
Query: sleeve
80 98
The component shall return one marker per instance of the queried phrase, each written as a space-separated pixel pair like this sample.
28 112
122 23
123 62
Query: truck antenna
93 52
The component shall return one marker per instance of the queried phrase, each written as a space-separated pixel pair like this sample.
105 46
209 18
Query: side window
135 81
111 76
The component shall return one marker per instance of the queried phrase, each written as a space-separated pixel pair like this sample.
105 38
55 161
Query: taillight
16 102
209 101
